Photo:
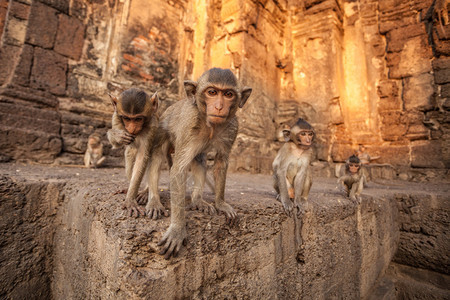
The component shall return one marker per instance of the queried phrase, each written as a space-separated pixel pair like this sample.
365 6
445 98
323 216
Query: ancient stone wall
372 72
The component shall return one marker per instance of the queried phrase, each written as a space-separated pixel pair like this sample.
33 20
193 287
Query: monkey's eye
303 133
311 133
354 165
228 94
211 92
125 118
139 119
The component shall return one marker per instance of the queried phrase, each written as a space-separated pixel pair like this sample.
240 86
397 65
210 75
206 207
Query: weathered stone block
8 57
70 37
397 155
426 154
442 76
388 88
417 91
414 59
15 32
441 63
19 10
42 25
61 5
389 103
445 90
340 152
393 125
49 71
23 69
397 38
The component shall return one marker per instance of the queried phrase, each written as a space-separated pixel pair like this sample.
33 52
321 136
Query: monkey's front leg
284 193
220 174
139 167
301 185
199 172
154 208
176 234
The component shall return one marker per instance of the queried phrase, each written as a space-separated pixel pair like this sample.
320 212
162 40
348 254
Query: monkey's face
302 137
133 123
219 103
353 167
93 141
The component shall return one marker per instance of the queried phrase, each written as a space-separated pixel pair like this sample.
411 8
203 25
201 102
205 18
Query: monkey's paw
288 206
302 207
156 210
229 212
133 209
142 197
202 206
172 240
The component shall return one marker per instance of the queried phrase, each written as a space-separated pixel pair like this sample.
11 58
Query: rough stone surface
70 37
42 25
89 249
49 71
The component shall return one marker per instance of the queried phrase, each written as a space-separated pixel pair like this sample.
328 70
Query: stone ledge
99 253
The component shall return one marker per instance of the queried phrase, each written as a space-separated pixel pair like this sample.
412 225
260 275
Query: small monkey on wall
94 152
134 126
291 170
354 179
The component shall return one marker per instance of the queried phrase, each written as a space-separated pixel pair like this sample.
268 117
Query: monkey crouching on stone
134 126
291 167
354 179
205 121
94 152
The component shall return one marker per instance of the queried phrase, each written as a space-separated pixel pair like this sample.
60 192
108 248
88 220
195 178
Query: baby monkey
291 170
353 181
94 152
134 126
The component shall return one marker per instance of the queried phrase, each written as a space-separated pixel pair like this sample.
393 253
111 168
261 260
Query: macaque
291 170
280 132
205 121
94 152
134 126
353 181
363 156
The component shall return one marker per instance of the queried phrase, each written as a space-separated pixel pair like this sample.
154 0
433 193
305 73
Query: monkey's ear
246 92
191 88
113 100
287 134
154 101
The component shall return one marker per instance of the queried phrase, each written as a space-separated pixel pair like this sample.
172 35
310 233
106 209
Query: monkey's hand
133 209
229 211
172 240
120 137
303 206
202 206
288 206
142 197
155 209
356 199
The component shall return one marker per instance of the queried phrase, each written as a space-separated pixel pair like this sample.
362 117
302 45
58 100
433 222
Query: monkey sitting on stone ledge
352 183
291 170
94 152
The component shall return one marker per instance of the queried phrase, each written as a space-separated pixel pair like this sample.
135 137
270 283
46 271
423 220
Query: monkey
291 171
134 126
202 122
354 179
280 132
94 152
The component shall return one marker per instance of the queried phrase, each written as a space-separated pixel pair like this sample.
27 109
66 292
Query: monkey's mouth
216 119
